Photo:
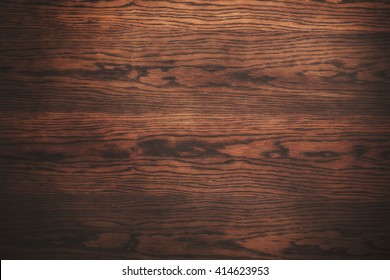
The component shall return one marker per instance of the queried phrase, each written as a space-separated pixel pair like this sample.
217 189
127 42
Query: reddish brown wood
194 129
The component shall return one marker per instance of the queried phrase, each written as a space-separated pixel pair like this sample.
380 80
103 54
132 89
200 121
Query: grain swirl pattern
195 129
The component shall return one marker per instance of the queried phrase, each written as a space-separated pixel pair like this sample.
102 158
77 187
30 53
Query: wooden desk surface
195 129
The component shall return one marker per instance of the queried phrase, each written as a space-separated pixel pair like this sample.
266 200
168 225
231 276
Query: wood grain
195 129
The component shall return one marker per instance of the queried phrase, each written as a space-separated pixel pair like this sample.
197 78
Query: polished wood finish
195 129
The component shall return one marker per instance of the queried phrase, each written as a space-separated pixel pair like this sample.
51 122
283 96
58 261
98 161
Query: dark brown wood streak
195 129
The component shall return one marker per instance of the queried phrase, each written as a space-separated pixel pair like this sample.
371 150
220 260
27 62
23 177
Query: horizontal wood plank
268 74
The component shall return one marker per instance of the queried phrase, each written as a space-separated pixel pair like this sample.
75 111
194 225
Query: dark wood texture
195 129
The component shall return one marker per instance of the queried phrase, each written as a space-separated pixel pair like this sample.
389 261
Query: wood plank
268 74
98 18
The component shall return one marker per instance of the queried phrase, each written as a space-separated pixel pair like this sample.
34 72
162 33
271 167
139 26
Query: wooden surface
195 129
